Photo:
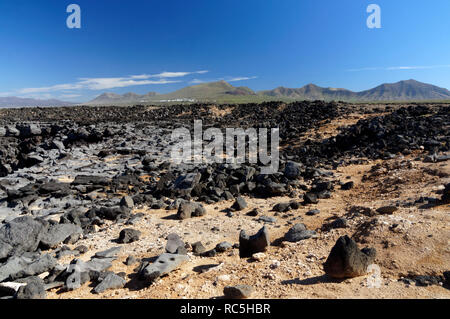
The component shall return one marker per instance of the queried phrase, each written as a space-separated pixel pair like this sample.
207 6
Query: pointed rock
347 261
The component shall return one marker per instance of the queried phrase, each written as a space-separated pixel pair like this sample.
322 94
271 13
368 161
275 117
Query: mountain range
13 101
223 92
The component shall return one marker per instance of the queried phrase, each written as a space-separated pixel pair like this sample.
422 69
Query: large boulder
34 289
26 265
57 234
20 235
347 261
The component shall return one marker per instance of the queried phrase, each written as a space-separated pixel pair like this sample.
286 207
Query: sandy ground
415 240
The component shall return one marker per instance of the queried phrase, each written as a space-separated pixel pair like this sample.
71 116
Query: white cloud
69 96
197 81
69 90
175 74
170 74
106 83
227 79
44 96
111 83
242 78
59 87
399 68
418 67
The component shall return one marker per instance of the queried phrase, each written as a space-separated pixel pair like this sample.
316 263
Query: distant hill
204 91
222 91
310 92
12 101
113 98
212 90
401 91
405 90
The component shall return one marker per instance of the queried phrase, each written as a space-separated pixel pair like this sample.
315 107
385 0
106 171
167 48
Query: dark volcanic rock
129 235
298 232
272 189
447 279
446 194
91 180
254 212
248 245
190 209
424 281
109 253
238 292
111 213
239 204
187 181
348 185
111 281
310 198
184 184
198 248
340 222
267 219
293 170
347 261
380 136
387 210
313 212
131 260
127 202
223 247
22 234
174 244
282 207
164 264
26 265
56 234
35 289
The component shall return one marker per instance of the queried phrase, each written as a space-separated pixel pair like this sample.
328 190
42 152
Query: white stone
259 256
224 278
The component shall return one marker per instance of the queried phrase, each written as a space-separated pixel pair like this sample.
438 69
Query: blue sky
146 45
